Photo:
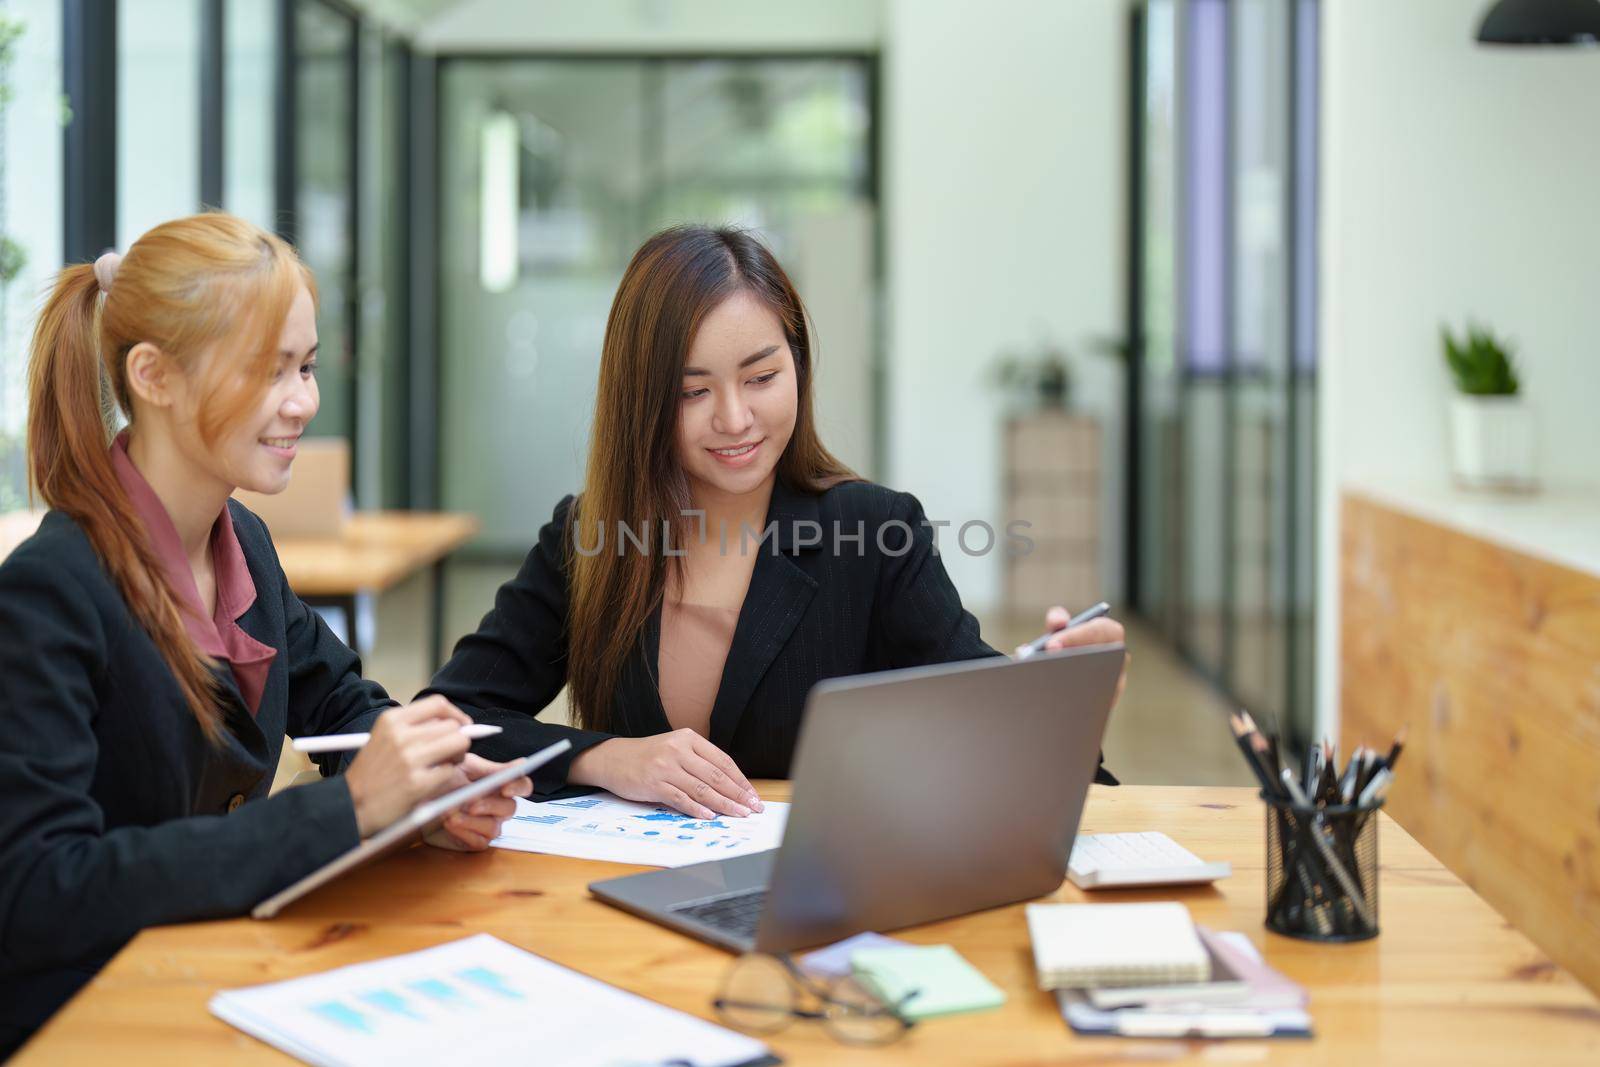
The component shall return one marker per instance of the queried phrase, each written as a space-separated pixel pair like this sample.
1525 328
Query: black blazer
115 812
813 611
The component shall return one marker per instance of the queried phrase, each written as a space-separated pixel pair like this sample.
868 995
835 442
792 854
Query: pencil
1394 750
1242 737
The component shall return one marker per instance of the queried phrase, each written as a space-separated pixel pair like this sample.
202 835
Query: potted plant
1492 429
1040 378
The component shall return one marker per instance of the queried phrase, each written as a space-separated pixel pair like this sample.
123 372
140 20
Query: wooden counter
1492 656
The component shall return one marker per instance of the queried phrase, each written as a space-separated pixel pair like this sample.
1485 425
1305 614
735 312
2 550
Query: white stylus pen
345 742
1038 643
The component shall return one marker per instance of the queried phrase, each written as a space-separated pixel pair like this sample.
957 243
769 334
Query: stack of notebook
1147 970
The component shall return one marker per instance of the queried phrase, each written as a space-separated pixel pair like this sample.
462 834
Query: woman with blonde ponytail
152 655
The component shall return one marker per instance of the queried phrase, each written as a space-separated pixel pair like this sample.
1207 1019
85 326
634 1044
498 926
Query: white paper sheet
477 1000
605 827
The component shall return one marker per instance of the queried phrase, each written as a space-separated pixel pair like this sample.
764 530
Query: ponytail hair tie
105 270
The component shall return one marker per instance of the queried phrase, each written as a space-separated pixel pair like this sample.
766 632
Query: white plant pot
1494 441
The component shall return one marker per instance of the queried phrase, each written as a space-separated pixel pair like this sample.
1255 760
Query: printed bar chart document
602 826
476 1000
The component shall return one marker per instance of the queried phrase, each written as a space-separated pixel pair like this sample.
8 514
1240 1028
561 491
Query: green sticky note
944 982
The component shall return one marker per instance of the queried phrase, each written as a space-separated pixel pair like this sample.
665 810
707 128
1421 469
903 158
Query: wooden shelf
1052 481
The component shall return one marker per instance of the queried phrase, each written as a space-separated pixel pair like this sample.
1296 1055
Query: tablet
402 829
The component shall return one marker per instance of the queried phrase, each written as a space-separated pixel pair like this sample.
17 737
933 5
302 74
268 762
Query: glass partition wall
323 199
31 210
158 113
1224 179
294 114
554 170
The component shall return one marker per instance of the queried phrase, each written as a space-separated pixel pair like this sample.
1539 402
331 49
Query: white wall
831 265
1459 181
1005 190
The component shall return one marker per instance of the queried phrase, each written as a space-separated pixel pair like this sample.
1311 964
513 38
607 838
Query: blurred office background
1161 276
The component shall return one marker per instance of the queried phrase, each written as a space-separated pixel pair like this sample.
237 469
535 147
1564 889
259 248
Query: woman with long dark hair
719 561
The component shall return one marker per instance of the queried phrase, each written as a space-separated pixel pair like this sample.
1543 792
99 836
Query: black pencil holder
1322 871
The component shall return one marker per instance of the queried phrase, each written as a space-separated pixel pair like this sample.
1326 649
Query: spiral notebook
1082 946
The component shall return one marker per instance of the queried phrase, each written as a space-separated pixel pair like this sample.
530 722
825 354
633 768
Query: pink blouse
219 636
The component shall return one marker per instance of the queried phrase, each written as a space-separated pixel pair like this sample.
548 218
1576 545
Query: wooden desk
378 550
1448 981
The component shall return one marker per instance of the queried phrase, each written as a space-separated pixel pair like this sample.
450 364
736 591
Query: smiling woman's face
255 453
736 408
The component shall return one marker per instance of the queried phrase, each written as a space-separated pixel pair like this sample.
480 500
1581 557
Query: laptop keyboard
738 914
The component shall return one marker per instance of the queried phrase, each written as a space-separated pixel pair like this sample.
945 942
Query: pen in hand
1038 643
476 731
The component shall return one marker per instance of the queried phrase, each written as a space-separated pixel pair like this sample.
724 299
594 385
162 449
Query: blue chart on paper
582 803
681 822
606 827
663 825
473 989
541 820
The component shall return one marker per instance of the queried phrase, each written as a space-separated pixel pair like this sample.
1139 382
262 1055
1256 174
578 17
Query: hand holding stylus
1090 627
1057 623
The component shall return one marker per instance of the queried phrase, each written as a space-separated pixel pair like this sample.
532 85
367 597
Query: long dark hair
675 279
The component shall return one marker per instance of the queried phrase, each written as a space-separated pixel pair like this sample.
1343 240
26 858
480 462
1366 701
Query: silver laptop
918 794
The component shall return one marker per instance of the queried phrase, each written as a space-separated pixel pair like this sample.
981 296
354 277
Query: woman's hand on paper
1102 631
472 826
680 769
411 758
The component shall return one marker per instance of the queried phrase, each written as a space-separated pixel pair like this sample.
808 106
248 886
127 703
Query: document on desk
476 1000
602 826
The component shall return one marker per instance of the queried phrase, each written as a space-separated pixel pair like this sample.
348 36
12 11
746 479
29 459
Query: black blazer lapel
253 730
778 596
773 606
642 712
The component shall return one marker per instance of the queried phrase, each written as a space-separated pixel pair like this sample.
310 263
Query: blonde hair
209 285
